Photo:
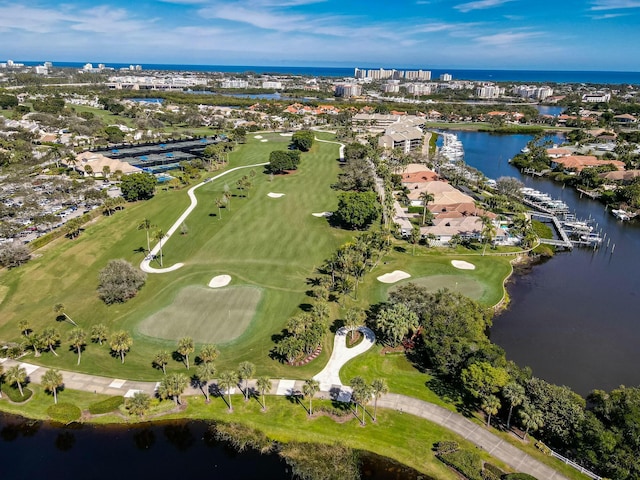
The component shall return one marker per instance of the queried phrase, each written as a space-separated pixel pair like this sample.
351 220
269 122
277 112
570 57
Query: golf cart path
145 264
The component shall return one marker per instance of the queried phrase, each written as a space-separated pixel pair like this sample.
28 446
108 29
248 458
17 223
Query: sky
473 34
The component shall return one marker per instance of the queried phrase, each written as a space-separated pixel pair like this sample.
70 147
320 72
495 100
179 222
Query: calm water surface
574 319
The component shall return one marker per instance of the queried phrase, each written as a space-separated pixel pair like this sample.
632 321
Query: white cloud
607 16
480 5
507 38
614 4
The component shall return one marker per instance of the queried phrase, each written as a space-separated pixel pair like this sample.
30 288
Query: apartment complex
489 91
383 74
526 91
347 90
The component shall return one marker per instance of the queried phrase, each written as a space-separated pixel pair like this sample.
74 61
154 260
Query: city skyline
493 34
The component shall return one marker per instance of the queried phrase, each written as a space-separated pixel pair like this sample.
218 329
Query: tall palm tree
205 373
245 372
51 382
353 318
490 406
209 353
50 338
185 348
378 388
60 310
121 343
99 333
531 419
173 385
356 383
17 375
25 327
78 340
488 230
415 237
146 225
426 198
219 204
227 381
514 394
160 360
159 235
309 389
264 385
34 341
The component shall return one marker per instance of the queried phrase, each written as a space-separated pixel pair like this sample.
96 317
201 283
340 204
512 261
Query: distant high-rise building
446 77
347 90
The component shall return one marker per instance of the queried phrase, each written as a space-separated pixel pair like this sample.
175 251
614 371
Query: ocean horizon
489 75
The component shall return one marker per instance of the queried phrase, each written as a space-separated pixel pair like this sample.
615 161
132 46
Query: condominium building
597 97
383 74
347 90
421 88
489 91
232 83
446 77
272 85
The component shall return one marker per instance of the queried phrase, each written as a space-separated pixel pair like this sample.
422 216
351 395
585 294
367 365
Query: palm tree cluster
362 393
304 333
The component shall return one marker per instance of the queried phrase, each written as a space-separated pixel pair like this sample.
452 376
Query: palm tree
147 226
1 377
356 384
78 339
159 235
121 343
25 327
219 204
309 389
17 375
99 333
160 361
173 385
185 348
209 353
50 338
34 341
514 394
205 373
264 385
245 372
61 312
227 381
139 404
490 406
488 230
531 419
378 388
51 382
353 318
415 237
426 198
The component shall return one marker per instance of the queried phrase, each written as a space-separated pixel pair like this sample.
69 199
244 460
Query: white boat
578 226
591 238
621 214
525 150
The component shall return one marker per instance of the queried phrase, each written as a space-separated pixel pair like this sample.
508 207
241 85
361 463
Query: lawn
271 244
207 315
464 284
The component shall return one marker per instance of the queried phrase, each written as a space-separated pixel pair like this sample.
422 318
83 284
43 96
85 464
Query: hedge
14 394
64 412
106 406
467 463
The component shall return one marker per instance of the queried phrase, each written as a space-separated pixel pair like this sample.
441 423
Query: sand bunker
220 281
264 140
258 137
286 134
393 277
462 265
275 195
322 214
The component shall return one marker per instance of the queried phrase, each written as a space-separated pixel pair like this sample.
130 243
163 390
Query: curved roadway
145 264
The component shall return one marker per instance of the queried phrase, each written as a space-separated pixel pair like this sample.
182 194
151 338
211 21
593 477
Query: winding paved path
145 264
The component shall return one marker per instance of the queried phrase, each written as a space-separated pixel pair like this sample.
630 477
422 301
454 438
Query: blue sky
492 34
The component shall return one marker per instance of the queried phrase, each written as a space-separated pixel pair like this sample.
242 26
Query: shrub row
64 412
106 406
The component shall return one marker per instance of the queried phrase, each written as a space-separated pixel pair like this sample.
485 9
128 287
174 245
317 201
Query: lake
574 318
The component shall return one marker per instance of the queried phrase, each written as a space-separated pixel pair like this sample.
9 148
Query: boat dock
564 241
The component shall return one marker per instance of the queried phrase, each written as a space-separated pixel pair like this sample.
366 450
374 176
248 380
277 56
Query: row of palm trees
51 381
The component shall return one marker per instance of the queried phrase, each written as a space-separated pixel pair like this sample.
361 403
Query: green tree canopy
303 140
138 186
357 209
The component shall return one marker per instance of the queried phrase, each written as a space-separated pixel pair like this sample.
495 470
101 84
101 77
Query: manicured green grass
206 315
270 244
466 285
105 115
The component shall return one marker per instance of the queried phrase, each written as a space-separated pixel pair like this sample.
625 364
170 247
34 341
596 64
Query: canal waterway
174 449
573 319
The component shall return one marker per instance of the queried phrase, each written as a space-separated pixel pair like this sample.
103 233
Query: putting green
466 285
206 315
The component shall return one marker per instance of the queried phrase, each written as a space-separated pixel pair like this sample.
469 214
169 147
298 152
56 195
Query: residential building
489 91
270 84
597 97
233 83
348 90
446 77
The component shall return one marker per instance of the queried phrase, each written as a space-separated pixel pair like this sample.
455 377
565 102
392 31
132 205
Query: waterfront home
577 163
